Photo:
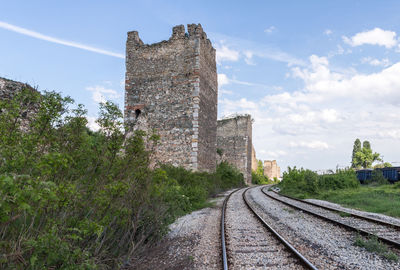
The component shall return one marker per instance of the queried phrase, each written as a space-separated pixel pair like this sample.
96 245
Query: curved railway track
250 242
367 226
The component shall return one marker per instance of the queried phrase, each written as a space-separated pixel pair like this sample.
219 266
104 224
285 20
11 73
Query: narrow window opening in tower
137 113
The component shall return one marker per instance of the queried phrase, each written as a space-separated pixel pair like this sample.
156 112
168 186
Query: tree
366 157
383 165
260 168
356 148
366 144
363 157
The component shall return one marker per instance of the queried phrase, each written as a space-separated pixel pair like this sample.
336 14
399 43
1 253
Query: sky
314 75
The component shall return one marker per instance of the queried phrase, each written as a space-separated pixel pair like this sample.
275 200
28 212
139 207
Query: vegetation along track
249 242
384 231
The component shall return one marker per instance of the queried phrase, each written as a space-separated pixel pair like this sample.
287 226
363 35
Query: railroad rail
223 242
300 258
395 226
384 231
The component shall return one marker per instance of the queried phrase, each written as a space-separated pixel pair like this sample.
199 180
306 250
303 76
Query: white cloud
223 53
328 32
376 62
249 58
225 92
329 115
273 154
92 123
222 79
102 94
321 83
270 29
241 46
317 145
376 36
393 134
327 112
37 35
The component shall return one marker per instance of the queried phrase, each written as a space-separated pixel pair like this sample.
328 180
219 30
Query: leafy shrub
302 183
377 179
72 198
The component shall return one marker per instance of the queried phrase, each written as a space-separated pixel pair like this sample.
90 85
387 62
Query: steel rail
223 243
337 210
361 231
303 259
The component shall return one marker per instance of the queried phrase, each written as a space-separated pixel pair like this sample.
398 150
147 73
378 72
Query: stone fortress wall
8 89
271 169
234 139
254 161
171 87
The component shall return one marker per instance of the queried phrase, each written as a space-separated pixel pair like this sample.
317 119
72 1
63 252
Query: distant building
254 161
271 169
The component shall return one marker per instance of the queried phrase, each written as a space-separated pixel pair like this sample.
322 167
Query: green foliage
258 177
377 179
71 198
356 148
196 187
363 157
303 183
383 199
383 165
372 244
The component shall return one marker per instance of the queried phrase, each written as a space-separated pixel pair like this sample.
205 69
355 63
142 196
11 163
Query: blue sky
315 75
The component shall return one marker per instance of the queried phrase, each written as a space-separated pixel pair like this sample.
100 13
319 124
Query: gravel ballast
326 245
249 244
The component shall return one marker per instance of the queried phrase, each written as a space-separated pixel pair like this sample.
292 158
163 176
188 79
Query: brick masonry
234 138
171 87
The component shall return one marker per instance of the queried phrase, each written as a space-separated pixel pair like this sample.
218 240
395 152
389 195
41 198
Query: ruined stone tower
171 87
271 169
234 140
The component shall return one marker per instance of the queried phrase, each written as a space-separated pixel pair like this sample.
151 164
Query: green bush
72 198
377 179
303 183
258 177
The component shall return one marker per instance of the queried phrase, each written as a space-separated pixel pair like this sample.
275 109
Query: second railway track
386 232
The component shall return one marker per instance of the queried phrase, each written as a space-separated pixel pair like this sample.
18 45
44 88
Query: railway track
248 241
367 226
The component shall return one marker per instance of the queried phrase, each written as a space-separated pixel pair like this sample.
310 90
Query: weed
289 210
344 214
372 244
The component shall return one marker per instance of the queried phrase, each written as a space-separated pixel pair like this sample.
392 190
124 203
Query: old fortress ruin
171 88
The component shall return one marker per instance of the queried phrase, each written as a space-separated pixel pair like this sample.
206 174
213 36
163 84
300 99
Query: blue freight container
363 175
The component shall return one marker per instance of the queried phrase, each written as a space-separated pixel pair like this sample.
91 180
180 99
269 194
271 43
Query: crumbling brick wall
234 139
171 87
